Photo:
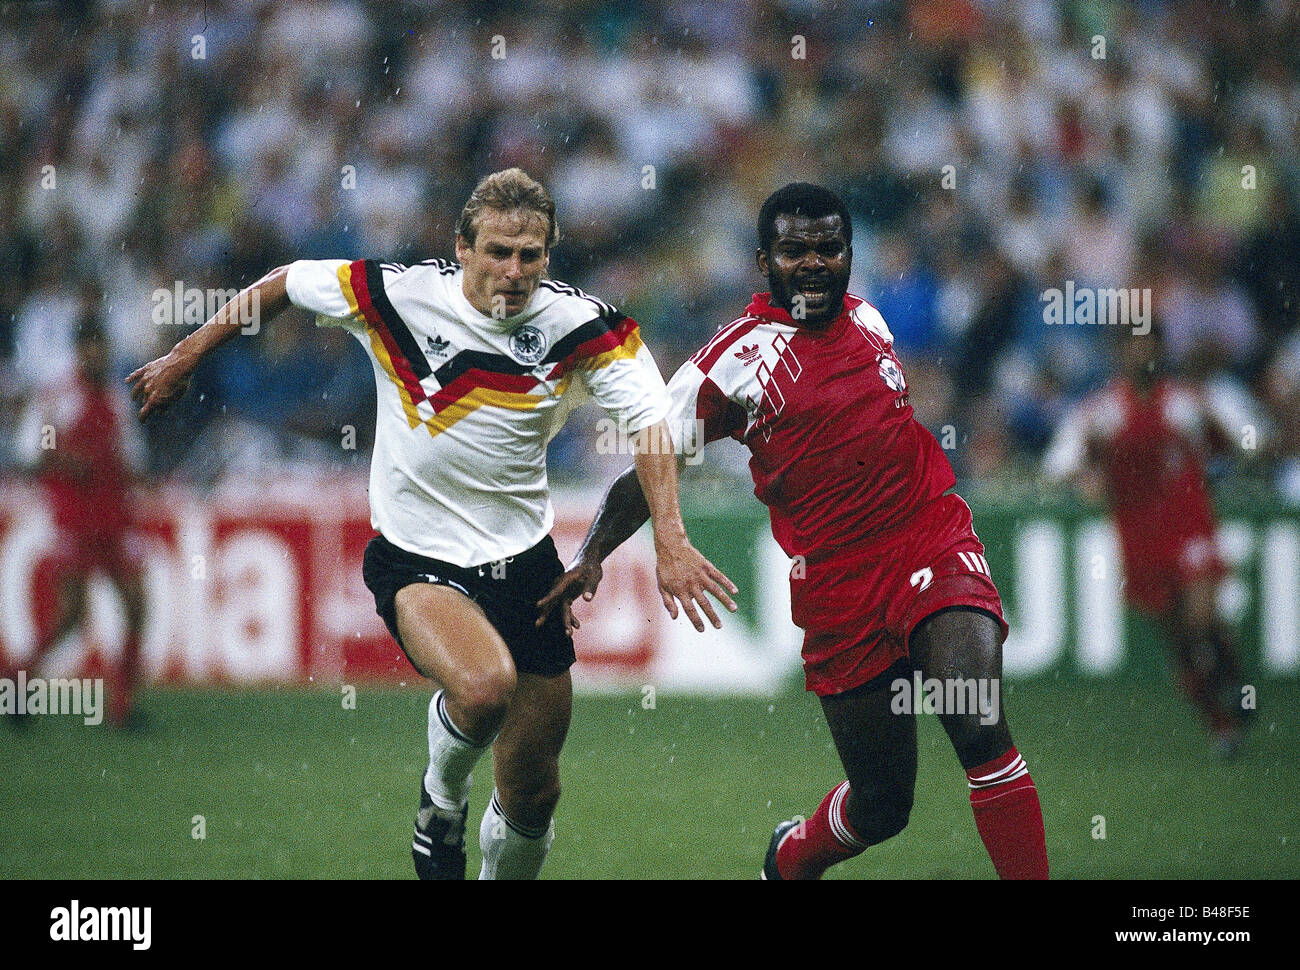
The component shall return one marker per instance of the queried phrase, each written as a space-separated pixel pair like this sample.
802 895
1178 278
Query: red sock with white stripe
823 840
1009 819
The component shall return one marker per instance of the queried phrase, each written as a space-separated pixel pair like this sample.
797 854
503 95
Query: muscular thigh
447 637
959 642
965 645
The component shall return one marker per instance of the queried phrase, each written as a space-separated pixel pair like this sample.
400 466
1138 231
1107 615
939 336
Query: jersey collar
761 306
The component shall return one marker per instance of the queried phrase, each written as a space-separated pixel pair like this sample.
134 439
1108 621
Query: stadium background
200 144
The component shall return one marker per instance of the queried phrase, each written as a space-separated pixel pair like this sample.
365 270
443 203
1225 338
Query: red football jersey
86 422
1150 450
836 454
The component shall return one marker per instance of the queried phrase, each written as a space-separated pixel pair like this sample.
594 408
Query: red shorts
1154 575
858 608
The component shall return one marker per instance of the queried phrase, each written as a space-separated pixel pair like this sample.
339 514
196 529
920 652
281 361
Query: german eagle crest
528 344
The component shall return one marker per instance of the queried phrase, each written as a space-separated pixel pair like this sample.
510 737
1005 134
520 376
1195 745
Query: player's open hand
581 579
160 382
685 576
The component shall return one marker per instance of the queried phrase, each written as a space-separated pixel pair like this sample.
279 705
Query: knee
880 818
975 742
482 698
530 797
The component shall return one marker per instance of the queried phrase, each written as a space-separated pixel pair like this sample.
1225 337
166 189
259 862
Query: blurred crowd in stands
990 150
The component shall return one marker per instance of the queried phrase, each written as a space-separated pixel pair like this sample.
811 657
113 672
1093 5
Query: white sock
452 756
511 851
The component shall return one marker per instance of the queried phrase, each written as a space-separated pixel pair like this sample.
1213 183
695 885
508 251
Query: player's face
506 262
807 267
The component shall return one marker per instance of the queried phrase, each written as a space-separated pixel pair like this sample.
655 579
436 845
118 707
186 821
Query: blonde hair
510 190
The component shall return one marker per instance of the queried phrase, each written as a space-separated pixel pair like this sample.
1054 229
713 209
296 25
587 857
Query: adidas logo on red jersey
747 355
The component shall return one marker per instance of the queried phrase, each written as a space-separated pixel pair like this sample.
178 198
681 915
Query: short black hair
801 199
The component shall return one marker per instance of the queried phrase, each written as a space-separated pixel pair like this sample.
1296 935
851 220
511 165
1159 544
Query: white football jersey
467 403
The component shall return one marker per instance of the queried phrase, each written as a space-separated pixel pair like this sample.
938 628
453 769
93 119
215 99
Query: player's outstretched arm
160 382
622 511
684 574
1073 456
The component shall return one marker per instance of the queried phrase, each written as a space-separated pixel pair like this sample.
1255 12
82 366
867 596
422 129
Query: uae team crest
528 344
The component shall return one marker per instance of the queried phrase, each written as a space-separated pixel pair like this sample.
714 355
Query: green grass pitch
290 784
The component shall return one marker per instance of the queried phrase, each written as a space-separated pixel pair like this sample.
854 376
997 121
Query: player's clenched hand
160 382
685 576
581 579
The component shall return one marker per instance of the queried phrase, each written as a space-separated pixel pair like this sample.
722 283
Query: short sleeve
1066 454
27 440
1093 422
700 411
324 286
1232 413
622 377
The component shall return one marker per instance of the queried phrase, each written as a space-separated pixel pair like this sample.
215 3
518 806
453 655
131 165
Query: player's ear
463 248
760 257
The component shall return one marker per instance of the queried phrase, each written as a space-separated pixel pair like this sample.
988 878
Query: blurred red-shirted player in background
78 442
1146 435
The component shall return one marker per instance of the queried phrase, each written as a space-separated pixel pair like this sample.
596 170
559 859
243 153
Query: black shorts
506 591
